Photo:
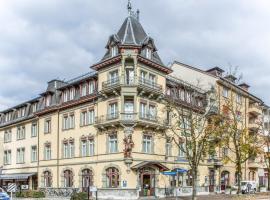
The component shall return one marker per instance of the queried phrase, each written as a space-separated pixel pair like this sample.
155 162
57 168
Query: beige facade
106 128
247 105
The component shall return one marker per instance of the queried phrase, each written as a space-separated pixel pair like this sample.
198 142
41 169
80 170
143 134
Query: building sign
93 189
124 183
24 187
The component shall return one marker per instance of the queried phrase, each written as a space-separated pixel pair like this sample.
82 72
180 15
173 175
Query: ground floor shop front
119 180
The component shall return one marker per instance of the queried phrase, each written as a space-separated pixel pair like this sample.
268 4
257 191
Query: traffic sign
12 187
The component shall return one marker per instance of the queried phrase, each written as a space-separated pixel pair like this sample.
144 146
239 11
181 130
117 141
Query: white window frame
147 144
34 130
34 153
113 143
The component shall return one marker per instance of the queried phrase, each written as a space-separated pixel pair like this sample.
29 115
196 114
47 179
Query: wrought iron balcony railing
131 81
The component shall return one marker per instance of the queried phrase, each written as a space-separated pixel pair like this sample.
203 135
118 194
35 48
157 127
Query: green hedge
79 196
30 194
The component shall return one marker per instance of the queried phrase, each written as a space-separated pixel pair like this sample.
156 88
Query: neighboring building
104 128
249 108
266 126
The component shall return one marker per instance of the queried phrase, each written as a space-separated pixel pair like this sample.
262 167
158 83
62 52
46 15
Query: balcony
130 119
255 109
253 125
145 85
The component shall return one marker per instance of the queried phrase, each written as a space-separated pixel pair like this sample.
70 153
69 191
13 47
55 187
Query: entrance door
87 180
147 177
224 180
212 180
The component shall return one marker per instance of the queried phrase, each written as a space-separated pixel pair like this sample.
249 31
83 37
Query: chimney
55 84
244 86
216 71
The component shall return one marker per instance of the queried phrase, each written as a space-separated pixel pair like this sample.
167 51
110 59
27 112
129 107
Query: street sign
93 189
24 187
11 187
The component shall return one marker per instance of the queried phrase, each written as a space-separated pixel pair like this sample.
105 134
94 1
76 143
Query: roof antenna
129 7
138 15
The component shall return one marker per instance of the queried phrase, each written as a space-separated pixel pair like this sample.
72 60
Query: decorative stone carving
129 144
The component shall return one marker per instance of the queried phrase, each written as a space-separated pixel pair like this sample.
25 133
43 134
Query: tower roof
131 32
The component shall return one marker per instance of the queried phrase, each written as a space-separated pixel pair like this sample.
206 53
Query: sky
47 39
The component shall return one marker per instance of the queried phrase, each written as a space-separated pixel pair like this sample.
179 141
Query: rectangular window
48 100
20 155
112 111
84 90
91 87
239 98
148 53
185 127
168 147
72 93
182 150
113 77
113 143
47 126
91 147
91 117
147 144
68 149
7 136
152 79
34 130
71 121
47 152
7 157
65 96
84 148
20 133
65 122
143 110
143 76
114 51
34 153
152 112
83 118
225 92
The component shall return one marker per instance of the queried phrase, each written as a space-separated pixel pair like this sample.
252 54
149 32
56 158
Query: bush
30 194
79 196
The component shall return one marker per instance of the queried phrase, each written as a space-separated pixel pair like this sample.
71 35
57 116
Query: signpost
11 188
93 189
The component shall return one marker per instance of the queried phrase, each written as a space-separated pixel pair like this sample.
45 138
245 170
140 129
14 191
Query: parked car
247 187
4 195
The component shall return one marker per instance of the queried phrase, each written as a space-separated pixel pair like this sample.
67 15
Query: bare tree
242 144
189 128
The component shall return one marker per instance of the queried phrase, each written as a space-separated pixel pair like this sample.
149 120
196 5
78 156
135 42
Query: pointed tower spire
129 7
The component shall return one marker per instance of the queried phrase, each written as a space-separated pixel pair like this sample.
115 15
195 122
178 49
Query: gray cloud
46 39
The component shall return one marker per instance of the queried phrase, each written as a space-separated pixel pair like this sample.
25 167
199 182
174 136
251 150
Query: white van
248 186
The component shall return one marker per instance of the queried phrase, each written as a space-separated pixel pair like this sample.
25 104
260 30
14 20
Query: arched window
47 179
112 176
87 179
68 178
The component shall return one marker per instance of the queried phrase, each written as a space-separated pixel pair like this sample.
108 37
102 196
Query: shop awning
169 173
21 176
180 170
149 163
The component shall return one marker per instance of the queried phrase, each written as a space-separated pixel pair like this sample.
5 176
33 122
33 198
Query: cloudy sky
46 39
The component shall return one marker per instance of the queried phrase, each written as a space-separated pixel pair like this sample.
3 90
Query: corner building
105 128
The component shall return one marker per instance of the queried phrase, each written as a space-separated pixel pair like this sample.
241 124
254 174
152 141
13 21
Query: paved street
207 197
